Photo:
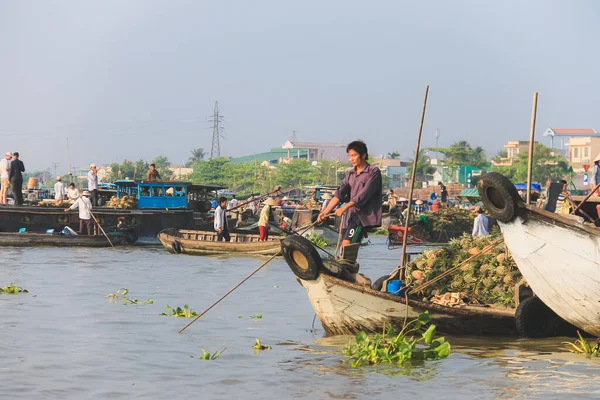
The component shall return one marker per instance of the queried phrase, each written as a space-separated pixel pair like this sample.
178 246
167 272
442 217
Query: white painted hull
345 308
560 259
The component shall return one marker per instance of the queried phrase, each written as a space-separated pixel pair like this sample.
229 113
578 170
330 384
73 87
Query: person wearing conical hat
419 207
326 198
596 172
266 214
361 191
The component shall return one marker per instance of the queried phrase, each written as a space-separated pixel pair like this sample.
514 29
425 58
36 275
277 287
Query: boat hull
346 308
201 243
56 240
560 259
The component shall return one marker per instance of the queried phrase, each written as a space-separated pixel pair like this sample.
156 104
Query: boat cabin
167 194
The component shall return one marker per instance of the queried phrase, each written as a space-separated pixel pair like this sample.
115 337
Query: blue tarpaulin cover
523 186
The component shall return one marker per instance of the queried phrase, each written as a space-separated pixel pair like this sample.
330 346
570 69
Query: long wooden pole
586 199
97 223
531 142
412 180
277 189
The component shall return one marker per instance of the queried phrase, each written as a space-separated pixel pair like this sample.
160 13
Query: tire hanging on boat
534 319
499 196
176 247
302 257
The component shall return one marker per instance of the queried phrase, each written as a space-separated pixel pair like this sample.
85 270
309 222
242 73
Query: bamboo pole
412 181
531 142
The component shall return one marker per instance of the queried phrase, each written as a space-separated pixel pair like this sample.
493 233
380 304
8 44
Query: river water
66 339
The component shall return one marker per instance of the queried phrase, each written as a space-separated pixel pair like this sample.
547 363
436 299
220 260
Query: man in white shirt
221 221
59 191
84 205
5 182
481 225
93 183
72 193
233 203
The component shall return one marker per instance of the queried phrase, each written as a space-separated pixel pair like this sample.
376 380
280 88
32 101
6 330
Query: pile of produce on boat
123 202
488 279
445 223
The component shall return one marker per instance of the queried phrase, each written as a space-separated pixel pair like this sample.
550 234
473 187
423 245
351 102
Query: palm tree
197 155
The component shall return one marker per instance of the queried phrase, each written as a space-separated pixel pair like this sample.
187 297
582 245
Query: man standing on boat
16 178
596 173
443 194
481 225
361 191
84 205
59 191
4 170
93 184
221 221
153 174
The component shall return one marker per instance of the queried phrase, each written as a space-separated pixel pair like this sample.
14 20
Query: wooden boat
57 240
346 308
205 242
558 255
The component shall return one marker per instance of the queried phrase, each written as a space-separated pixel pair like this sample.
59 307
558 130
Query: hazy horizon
138 79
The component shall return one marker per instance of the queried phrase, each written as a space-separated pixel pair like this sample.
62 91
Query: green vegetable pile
444 224
488 279
316 239
414 342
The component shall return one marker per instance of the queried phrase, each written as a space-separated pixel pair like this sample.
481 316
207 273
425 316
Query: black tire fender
302 257
534 319
176 247
131 236
499 196
378 284
333 268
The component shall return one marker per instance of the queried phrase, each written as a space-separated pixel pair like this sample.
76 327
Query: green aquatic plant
207 356
185 312
12 289
316 239
414 342
120 292
126 300
259 346
258 316
582 346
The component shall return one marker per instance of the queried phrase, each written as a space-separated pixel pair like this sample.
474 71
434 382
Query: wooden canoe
27 239
201 243
346 308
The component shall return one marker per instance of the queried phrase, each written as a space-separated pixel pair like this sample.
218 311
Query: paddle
236 286
95 220
275 190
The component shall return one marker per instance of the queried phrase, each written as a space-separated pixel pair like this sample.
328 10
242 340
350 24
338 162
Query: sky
139 78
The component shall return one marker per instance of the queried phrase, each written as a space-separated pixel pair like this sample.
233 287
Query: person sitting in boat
72 193
563 203
481 225
361 190
59 191
153 174
266 214
220 222
419 207
326 198
84 205
436 205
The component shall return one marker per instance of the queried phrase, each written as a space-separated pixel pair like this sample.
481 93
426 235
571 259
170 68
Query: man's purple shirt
364 190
